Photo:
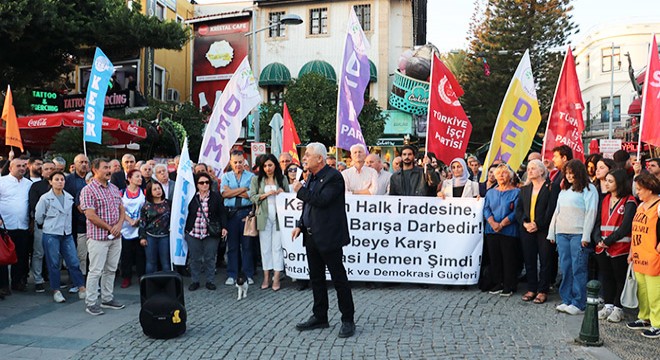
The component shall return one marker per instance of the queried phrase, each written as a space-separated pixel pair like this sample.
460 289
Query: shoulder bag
214 228
250 228
7 247
629 293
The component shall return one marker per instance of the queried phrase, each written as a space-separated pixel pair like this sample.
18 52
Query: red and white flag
650 122
565 123
290 136
449 128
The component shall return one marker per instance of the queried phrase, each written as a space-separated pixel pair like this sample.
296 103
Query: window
605 106
588 66
318 21
159 80
587 115
276 31
276 95
363 13
179 20
160 11
607 59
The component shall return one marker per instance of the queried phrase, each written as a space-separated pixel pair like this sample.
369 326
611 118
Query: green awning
373 74
274 74
320 67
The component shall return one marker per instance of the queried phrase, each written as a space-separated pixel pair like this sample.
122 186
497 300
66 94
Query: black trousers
132 253
317 262
502 251
537 251
613 272
19 271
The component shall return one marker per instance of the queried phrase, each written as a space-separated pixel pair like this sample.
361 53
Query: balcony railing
409 95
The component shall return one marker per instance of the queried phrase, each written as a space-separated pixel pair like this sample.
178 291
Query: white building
596 66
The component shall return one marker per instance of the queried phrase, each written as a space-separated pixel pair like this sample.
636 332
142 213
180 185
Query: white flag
184 190
240 96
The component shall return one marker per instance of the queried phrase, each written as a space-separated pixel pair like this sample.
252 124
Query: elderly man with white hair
162 176
360 179
374 161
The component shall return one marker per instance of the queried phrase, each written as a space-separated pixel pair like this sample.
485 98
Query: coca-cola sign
37 122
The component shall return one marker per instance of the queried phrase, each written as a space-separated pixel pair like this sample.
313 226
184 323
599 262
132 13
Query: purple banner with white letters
353 81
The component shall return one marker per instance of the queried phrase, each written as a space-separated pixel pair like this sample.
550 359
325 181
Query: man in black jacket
411 180
119 178
325 231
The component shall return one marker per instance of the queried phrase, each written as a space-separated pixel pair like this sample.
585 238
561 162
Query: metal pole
255 112
611 92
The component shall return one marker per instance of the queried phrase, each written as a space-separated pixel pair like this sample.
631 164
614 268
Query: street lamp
287 19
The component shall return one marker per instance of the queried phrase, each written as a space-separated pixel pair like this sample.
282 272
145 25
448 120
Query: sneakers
73 290
126 283
112 304
230 281
573 310
193 286
58 297
250 281
40 288
639 325
652 333
561 307
496 291
616 315
94 310
605 312
506 293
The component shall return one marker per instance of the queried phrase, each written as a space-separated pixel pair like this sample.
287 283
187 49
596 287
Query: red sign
219 48
565 124
449 128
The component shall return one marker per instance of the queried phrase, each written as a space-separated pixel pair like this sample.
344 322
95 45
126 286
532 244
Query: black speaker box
163 314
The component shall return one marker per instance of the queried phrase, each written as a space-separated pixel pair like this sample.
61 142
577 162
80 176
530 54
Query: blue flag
102 70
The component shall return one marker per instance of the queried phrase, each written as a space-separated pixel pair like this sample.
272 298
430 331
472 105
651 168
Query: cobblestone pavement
401 322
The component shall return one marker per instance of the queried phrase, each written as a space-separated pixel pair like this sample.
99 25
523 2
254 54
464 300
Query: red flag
448 129
289 136
458 90
12 134
650 122
565 123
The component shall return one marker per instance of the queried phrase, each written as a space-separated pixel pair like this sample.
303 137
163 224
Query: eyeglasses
203 182
292 170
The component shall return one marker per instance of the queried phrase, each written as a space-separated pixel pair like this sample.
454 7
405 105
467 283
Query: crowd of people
583 220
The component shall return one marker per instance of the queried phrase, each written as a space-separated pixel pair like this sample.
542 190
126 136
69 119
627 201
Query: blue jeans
573 260
239 246
57 247
158 249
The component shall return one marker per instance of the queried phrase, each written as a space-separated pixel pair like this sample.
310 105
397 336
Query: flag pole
428 111
85 147
552 104
644 99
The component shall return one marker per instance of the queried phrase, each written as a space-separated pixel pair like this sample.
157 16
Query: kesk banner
353 81
650 123
184 190
449 128
237 100
99 79
565 124
518 120
398 239
12 134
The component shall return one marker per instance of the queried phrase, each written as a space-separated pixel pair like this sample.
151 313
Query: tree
312 103
542 26
43 39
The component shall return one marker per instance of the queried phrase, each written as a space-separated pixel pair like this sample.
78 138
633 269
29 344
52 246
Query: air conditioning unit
172 95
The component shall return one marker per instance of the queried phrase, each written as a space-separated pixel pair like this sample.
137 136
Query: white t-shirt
365 179
14 202
132 207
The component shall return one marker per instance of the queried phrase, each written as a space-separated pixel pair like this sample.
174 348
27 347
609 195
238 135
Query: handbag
7 247
213 227
629 293
250 228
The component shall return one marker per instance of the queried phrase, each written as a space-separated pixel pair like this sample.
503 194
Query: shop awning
320 67
274 74
373 73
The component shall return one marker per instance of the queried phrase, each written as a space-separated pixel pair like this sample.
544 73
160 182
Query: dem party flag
184 190
353 81
449 128
99 79
650 122
240 96
565 123
12 134
290 136
517 121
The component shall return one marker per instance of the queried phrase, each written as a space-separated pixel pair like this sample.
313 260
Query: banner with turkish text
290 137
448 128
12 134
241 95
184 190
99 79
353 80
650 122
404 239
565 124
517 121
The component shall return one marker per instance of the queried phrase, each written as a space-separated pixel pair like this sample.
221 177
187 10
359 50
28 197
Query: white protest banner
184 190
398 239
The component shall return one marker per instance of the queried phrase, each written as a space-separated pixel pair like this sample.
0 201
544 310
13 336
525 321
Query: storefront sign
45 101
115 100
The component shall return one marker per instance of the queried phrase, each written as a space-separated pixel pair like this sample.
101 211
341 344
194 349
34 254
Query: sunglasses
292 170
203 182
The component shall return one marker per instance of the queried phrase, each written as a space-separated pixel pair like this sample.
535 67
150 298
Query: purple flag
353 81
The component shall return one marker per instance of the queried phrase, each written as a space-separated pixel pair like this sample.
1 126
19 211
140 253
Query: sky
448 20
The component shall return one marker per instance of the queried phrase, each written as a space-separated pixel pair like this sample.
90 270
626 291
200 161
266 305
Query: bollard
589 334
